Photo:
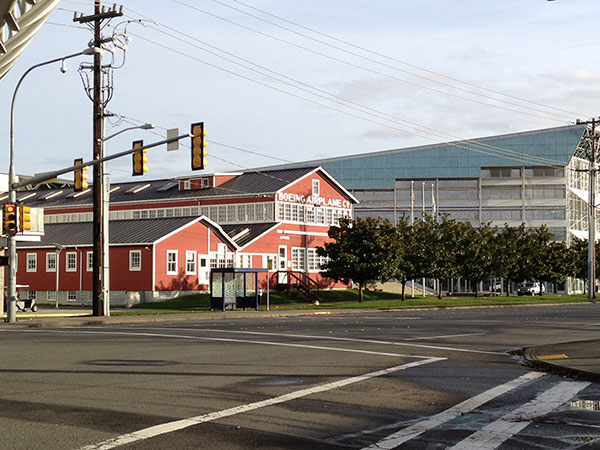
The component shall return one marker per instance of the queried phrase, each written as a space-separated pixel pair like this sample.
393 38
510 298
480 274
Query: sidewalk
578 359
50 317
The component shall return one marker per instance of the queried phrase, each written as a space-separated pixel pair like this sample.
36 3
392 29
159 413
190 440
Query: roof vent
138 188
52 195
166 187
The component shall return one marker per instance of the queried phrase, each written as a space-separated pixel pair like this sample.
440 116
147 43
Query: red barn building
166 235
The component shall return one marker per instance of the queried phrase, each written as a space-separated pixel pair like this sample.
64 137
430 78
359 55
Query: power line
506 153
390 58
558 118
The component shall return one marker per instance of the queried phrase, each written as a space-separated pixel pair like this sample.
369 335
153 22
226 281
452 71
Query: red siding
194 238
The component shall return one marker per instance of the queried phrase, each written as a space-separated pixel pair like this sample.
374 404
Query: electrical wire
548 115
505 153
390 58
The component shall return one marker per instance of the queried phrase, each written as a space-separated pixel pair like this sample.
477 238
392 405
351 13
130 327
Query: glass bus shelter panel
234 288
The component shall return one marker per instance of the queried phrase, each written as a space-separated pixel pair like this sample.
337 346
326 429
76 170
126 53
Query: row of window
293 212
442 192
51 295
530 192
528 172
135 261
234 213
222 214
220 259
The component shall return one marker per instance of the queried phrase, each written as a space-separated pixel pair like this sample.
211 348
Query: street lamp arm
12 194
12 174
146 126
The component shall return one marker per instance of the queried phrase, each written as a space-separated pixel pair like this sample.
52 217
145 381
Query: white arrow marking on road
496 433
185 423
468 405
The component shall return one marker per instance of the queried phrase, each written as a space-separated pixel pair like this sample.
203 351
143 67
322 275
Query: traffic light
10 218
139 159
81 176
198 134
24 218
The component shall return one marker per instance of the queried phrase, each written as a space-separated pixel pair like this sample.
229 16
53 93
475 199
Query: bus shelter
234 287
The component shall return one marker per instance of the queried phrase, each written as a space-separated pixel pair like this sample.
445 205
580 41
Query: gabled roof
249 184
121 232
341 189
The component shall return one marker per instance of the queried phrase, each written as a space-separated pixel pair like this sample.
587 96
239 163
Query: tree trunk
404 289
360 293
508 287
439 289
476 284
541 289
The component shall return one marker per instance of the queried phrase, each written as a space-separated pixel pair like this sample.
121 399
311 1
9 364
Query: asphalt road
415 380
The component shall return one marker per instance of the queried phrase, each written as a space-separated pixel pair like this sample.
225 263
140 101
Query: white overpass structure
20 20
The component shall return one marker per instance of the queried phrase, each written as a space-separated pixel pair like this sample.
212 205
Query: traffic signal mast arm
49 175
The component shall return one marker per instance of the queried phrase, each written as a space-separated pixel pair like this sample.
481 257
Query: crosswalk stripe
493 435
411 432
176 425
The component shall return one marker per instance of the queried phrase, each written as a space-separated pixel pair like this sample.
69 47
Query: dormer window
316 187
187 185
205 183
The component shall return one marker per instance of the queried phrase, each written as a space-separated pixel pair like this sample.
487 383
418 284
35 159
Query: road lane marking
557 356
366 341
496 433
243 341
169 427
444 336
411 432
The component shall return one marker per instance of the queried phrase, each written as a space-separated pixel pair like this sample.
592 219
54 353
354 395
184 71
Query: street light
146 126
12 179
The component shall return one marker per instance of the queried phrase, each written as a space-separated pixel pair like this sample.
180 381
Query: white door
282 277
203 269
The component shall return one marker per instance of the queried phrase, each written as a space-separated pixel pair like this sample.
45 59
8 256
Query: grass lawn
348 299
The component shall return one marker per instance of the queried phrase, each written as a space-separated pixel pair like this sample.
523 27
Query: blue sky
542 54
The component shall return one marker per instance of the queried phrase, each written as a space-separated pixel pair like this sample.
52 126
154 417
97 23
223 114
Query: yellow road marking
558 356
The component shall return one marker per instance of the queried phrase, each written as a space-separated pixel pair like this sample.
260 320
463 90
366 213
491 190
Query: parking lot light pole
12 179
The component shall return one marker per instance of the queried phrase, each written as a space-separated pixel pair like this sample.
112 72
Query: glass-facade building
534 177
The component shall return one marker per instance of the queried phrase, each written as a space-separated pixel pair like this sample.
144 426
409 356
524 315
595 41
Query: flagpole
423 214
412 202
412 221
423 196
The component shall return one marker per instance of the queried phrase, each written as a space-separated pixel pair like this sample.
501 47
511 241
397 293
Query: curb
529 357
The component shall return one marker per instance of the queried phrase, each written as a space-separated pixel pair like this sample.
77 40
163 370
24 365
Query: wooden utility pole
99 286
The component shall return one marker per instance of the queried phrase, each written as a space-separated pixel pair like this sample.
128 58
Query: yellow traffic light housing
198 134
10 218
140 159
81 176
24 218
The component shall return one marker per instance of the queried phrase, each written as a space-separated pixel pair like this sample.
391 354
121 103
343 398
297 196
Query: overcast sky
316 78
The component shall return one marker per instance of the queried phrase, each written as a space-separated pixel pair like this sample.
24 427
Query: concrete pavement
580 359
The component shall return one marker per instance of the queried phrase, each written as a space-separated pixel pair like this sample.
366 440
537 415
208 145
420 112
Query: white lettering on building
313 200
